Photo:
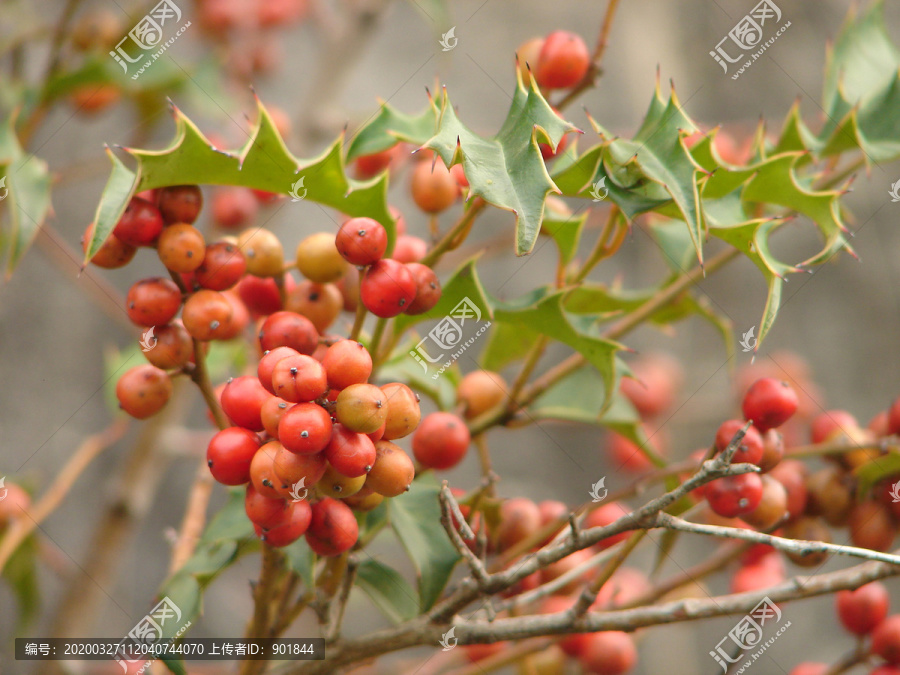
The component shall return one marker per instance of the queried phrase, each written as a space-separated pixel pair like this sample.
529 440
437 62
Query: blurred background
843 319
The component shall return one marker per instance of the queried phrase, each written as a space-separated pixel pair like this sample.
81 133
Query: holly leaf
263 163
415 518
506 170
390 127
566 232
507 343
388 590
885 467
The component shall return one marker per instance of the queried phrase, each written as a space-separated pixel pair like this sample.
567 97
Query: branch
89 449
455 235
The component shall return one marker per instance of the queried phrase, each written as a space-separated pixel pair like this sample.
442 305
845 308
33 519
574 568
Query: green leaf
388 590
302 560
437 11
547 316
566 232
506 170
507 343
25 189
390 127
230 522
867 475
264 163
415 517
20 573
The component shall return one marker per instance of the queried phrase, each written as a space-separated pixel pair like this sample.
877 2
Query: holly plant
346 380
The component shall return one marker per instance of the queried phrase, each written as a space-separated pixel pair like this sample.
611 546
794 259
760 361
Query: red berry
361 241
563 61
368 166
299 378
141 223
428 288
433 188
229 454
441 441
609 653
756 578
153 302
267 364
350 453
261 295
347 362
180 203
288 329
769 403
654 387
810 668
791 473
605 515
305 429
205 313
143 391
519 517
112 254
403 411
333 528
320 303
387 289
263 511
222 267
886 639
293 469
234 208
733 496
243 399
173 347
860 611
295 524
830 421
409 249
750 449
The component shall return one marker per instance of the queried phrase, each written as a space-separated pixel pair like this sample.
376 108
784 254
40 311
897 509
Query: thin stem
361 312
87 451
280 284
484 459
589 595
377 336
531 361
194 519
452 239
200 377
611 237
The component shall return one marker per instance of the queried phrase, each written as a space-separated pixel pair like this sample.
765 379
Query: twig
338 608
89 449
260 624
452 239
609 241
449 511
361 312
507 657
194 519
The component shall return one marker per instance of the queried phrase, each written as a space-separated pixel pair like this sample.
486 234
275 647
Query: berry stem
282 291
200 377
611 237
361 312
531 361
375 341
178 282
455 235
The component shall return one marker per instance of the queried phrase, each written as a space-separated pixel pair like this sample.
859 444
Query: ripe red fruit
112 254
179 203
242 400
441 441
143 391
886 639
773 450
153 302
361 241
653 390
234 208
428 288
141 223
173 347
222 267
229 454
267 364
871 526
261 295
305 429
204 313
409 249
810 668
362 408
479 391
563 60
262 471
403 411
519 517
756 577
299 378
333 528
320 303
860 611
271 413
288 329
772 507
609 653
733 496
830 421
880 670
791 473
294 525
750 449
387 289
263 511
769 403
393 471
263 251
630 456
347 362
350 453
367 166
181 248
433 189
298 470
605 515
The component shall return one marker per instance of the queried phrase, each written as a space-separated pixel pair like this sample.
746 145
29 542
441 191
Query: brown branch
194 519
89 449
263 602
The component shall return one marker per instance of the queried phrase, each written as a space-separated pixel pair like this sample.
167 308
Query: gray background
843 319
